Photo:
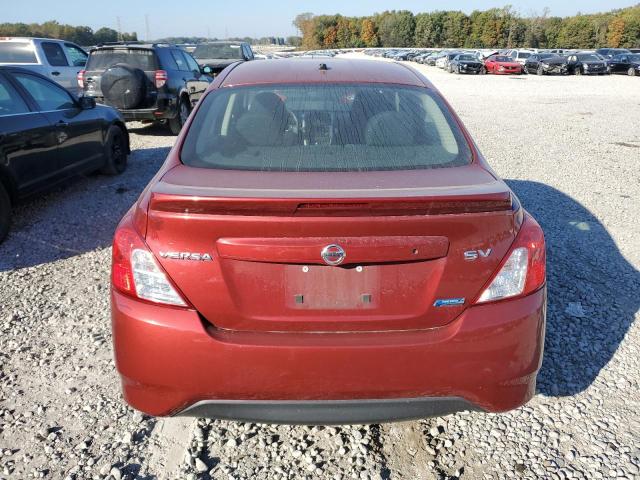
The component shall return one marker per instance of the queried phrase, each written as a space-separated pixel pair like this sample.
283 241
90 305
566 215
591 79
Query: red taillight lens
161 78
533 239
523 270
80 78
135 271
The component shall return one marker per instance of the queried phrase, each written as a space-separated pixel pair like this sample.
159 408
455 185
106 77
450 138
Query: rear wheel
116 152
631 72
5 212
175 124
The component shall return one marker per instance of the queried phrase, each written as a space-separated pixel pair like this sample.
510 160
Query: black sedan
545 63
626 63
47 135
586 64
466 63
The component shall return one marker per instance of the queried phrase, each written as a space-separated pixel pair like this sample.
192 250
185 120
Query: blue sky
250 17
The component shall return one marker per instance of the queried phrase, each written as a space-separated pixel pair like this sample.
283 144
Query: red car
502 65
325 244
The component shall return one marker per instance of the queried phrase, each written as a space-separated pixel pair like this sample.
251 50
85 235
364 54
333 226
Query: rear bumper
164 108
327 412
171 363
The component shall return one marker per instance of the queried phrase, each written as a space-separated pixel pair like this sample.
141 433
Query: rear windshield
331 127
17 52
134 57
524 54
227 52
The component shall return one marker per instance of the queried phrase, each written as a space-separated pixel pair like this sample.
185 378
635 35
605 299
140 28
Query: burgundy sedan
325 244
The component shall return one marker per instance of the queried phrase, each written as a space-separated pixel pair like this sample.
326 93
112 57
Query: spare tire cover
123 86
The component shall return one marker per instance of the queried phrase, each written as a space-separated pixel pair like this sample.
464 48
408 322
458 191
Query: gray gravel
569 147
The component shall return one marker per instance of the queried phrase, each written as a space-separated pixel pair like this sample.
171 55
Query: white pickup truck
59 60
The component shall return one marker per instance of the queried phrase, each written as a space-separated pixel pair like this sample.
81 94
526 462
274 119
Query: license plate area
319 287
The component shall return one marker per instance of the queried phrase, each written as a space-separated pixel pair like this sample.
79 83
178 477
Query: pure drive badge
198 257
448 302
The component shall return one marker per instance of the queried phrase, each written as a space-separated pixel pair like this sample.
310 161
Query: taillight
80 78
524 269
135 271
161 78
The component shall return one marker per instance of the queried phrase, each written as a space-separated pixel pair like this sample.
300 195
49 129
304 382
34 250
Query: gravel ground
569 147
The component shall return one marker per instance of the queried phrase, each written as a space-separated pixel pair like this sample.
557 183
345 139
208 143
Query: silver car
59 60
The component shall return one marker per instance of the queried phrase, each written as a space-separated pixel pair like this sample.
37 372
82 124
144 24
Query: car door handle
55 74
62 123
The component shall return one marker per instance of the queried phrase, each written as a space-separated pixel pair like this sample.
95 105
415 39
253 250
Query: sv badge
475 254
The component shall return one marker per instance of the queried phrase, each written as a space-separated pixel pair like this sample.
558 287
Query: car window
193 65
11 103
221 51
141 58
180 60
17 52
167 61
77 56
46 94
328 127
55 55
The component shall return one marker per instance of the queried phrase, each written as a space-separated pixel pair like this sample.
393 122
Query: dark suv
146 82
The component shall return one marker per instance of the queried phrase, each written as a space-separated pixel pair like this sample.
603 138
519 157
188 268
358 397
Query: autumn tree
615 32
368 33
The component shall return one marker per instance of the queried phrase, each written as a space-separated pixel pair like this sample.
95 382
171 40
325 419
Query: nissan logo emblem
333 254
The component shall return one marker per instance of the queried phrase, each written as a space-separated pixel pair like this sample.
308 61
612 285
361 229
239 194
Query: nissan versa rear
325 244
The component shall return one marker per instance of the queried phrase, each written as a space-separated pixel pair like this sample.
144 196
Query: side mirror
206 70
87 103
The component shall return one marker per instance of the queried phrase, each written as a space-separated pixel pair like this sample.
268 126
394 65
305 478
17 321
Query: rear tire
176 123
5 212
115 152
631 72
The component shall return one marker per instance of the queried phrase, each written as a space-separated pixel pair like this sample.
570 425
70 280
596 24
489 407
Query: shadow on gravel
155 129
594 293
78 217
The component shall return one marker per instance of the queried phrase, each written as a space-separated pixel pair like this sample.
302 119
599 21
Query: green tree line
493 28
81 35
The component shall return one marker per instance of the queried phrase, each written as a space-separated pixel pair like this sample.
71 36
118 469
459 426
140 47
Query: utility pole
119 29
146 26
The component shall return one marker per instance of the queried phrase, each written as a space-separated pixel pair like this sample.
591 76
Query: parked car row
148 82
543 62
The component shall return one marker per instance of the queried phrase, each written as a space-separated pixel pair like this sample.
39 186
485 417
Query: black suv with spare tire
146 82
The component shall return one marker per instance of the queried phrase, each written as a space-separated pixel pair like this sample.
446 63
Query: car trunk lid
403 235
